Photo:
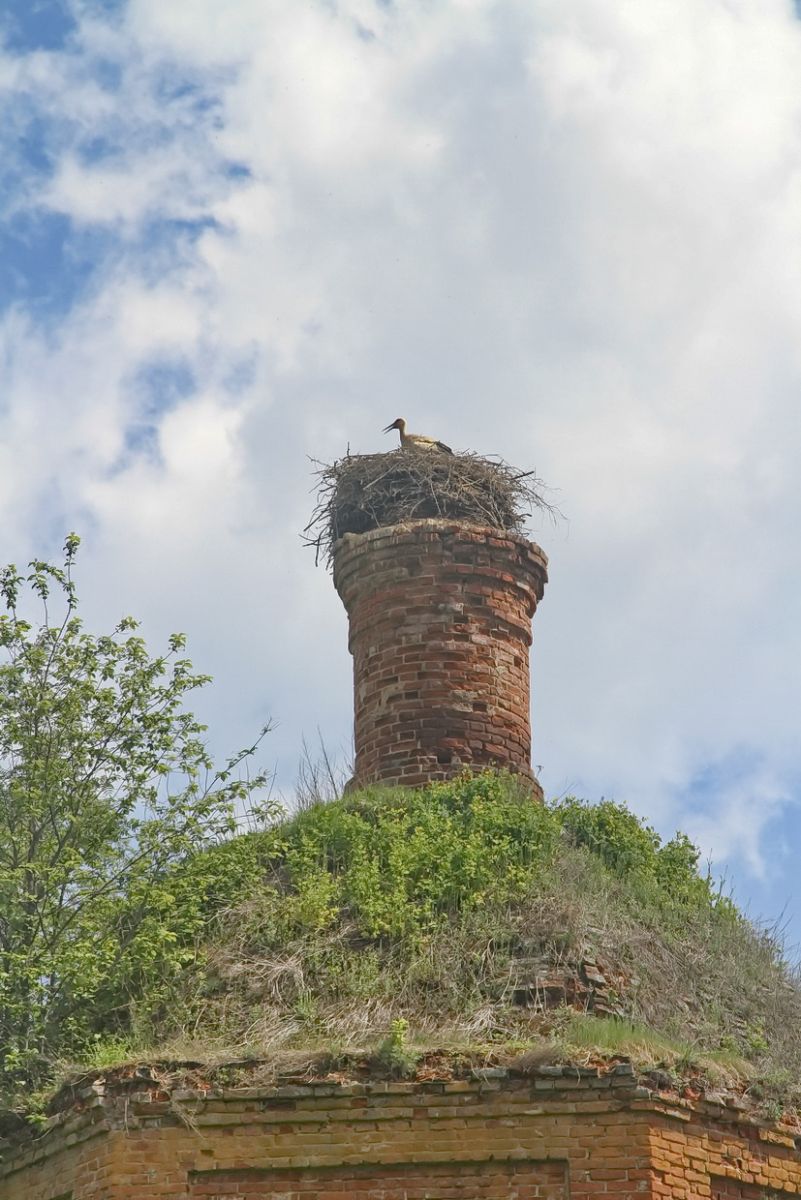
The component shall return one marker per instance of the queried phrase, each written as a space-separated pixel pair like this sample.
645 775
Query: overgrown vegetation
405 920
135 923
369 491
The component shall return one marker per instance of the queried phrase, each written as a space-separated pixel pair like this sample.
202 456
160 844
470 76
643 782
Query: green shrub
634 851
397 862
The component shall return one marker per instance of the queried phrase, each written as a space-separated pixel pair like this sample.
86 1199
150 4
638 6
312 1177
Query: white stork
416 441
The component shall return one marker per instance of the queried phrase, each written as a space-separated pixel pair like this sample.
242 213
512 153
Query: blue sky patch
36 25
107 74
99 149
27 152
707 783
164 383
777 892
241 376
141 441
166 244
33 144
774 891
157 386
236 170
45 264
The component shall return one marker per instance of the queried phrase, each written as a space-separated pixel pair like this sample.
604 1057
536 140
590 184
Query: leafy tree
105 784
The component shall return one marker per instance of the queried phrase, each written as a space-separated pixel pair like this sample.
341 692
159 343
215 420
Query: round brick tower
440 627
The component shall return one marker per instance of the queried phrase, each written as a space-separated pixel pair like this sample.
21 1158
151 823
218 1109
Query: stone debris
591 985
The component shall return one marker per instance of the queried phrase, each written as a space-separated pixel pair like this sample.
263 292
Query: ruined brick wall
76 1159
573 1133
722 1152
469 1139
440 628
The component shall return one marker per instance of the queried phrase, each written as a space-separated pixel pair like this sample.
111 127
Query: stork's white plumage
416 441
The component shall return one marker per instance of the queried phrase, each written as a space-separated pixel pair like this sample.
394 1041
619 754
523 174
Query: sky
240 235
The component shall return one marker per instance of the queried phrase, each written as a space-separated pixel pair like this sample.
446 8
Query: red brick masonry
440 628
559 1133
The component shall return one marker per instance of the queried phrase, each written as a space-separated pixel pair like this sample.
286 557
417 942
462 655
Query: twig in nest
370 491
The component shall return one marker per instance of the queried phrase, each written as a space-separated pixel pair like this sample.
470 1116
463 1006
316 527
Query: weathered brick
470 1139
440 625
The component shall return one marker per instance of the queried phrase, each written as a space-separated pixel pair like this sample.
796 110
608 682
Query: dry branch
370 491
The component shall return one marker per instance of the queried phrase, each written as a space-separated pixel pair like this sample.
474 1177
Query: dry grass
370 491
710 993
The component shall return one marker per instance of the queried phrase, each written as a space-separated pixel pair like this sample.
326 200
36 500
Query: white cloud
565 233
739 815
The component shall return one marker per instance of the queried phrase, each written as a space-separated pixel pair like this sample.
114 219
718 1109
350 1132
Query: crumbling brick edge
608 1132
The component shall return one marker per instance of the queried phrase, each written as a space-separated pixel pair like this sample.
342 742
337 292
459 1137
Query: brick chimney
440 627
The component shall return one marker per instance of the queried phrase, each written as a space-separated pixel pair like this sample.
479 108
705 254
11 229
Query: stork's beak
389 428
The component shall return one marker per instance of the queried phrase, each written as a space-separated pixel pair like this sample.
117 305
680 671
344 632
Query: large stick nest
370 491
